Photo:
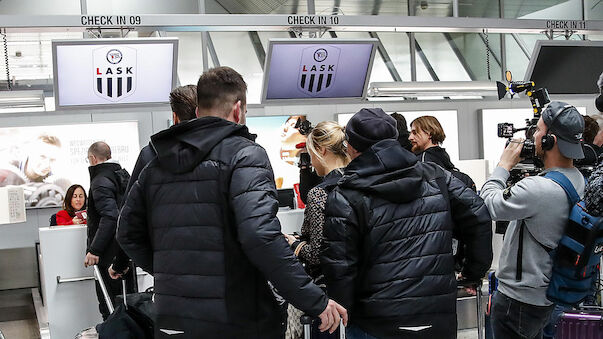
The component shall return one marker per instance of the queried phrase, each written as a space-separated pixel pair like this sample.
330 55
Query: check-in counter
68 287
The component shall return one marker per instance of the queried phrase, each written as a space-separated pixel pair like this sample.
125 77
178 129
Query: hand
90 260
330 317
114 275
471 290
510 156
290 239
77 221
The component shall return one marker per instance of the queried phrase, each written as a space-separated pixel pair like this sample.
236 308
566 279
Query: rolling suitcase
581 324
306 322
124 322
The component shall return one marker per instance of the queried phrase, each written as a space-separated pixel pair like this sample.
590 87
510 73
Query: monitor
315 69
113 72
566 66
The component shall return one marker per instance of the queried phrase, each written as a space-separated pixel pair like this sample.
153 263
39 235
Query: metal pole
412 43
204 38
503 44
521 44
455 8
311 11
101 283
84 7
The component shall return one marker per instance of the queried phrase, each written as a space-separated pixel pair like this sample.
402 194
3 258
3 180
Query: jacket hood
438 155
182 147
385 170
109 166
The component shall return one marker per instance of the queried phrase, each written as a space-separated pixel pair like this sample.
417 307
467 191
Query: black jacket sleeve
132 233
121 261
473 225
253 199
104 192
340 250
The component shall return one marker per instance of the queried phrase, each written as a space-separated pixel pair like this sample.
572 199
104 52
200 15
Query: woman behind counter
75 201
327 148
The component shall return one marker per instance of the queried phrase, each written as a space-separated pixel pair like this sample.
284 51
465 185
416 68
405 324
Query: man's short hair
183 101
219 88
50 139
430 125
591 129
101 150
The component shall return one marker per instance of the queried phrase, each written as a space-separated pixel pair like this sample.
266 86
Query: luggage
306 322
583 324
480 312
132 319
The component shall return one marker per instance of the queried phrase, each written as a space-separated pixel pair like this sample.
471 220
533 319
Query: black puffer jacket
103 211
202 219
387 253
438 155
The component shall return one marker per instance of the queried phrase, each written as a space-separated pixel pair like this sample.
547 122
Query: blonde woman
327 148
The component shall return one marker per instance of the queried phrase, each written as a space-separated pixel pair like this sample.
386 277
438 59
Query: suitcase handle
101 283
306 321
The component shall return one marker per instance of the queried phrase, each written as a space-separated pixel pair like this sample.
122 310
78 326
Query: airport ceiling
439 8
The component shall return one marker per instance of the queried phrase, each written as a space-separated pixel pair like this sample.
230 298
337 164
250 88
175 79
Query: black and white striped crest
317 69
114 72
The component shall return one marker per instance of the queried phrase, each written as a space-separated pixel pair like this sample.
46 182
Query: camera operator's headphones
548 141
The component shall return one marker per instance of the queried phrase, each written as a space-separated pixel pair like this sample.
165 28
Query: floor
18 318
17 315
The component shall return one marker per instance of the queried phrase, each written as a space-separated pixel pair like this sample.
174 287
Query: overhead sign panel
113 71
317 68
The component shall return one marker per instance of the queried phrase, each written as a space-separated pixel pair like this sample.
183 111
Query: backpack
577 256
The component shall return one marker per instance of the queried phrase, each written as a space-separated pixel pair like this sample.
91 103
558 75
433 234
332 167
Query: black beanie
369 126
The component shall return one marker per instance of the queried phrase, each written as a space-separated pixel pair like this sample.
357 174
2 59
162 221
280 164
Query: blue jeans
354 332
513 319
551 327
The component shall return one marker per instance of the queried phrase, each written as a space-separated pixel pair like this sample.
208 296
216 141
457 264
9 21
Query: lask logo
114 72
317 69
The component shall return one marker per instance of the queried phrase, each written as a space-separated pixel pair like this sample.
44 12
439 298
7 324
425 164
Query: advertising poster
46 160
278 136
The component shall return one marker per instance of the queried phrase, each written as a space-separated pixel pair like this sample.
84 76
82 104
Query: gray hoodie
544 207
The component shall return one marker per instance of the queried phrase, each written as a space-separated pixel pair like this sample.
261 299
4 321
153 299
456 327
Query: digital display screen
322 69
114 72
278 137
46 160
567 69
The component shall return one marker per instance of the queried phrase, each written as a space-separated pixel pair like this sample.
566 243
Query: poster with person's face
46 160
278 135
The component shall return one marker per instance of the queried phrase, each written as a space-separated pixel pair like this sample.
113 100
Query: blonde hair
430 125
328 135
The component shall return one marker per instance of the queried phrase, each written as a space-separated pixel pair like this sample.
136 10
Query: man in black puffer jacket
107 186
387 253
202 219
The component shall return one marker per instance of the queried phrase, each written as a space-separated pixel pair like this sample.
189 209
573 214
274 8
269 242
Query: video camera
530 165
304 127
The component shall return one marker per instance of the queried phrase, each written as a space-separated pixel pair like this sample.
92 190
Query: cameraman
538 209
